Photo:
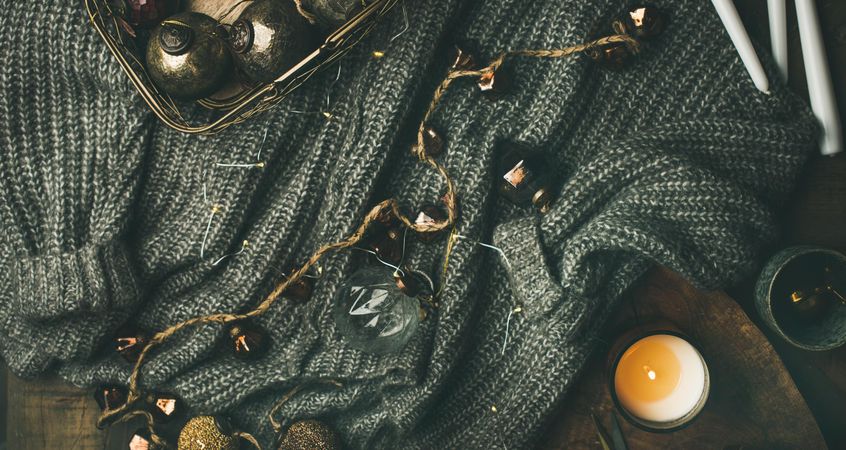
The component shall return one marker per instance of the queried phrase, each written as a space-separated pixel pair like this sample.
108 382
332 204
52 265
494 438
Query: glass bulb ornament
269 38
378 312
187 56
334 13
524 178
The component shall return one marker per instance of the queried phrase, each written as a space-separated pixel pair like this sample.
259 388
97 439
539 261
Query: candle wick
649 372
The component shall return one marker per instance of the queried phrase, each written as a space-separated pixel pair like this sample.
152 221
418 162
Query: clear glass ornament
373 314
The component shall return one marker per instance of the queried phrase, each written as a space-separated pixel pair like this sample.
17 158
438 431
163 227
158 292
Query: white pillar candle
661 379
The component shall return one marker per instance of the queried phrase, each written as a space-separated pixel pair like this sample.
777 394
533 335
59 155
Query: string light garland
390 206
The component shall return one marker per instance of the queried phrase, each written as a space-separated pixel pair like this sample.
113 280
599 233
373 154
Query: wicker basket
250 101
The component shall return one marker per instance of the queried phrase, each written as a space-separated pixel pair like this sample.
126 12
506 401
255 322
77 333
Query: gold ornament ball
309 435
206 433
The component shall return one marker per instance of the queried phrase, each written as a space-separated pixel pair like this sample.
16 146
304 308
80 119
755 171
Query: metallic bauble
309 435
187 56
207 433
269 38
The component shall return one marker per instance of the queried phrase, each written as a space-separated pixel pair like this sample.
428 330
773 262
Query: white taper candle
737 33
777 10
820 88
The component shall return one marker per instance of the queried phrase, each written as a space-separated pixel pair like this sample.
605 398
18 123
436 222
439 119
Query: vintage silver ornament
187 56
269 38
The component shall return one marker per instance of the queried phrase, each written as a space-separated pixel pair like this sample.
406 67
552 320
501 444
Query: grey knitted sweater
677 160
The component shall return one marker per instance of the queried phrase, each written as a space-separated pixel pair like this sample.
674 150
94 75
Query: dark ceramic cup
803 269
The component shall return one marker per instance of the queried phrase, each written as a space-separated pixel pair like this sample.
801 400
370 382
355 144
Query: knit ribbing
88 281
677 160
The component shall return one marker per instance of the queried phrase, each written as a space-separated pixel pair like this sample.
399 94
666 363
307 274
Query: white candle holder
624 343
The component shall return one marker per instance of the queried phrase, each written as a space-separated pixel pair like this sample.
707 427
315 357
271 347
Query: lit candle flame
649 372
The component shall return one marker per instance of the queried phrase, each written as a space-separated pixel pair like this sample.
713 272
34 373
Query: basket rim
238 110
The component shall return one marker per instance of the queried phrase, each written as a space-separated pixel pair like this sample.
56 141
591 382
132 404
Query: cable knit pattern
677 160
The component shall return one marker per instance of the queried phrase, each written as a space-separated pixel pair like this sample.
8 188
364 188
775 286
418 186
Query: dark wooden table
50 415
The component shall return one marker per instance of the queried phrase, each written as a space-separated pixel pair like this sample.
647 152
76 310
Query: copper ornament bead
165 407
129 344
433 143
300 290
644 21
613 56
427 216
141 440
495 84
409 284
386 218
187 57
110 397
249 341
309 435
388 244
207 433
461 59
524 178
269 38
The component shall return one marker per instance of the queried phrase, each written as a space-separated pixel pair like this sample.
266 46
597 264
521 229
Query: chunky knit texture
676 161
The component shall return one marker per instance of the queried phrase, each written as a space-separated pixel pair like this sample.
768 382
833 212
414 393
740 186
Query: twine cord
248 437
271 416
390 205
303 12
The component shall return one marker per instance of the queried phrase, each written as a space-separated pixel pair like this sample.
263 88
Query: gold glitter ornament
206 433
309 435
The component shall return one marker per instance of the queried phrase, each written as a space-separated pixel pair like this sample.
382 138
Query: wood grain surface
754 403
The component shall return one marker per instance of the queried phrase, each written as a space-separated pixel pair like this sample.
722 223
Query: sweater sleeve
73 137
697 196
677 161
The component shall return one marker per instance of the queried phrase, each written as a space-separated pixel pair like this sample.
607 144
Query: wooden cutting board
754 403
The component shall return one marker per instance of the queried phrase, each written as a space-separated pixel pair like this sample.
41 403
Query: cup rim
795 252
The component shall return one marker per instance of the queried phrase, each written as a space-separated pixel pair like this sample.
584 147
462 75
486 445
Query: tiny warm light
649 372
378 54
